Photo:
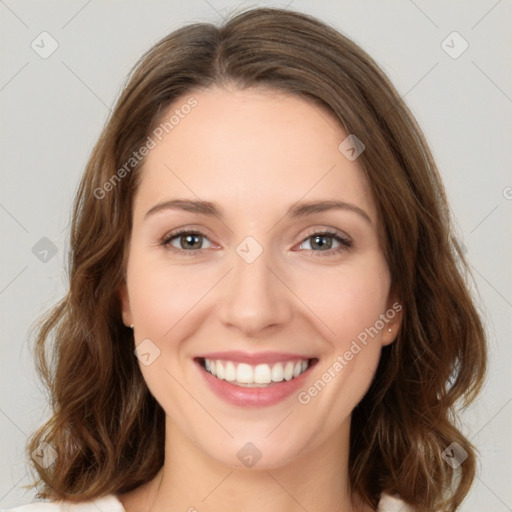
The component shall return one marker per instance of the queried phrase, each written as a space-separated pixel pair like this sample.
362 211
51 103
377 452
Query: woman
267 308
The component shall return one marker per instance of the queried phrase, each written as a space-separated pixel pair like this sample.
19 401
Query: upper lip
254 358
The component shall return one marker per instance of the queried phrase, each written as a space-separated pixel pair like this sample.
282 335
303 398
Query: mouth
262 375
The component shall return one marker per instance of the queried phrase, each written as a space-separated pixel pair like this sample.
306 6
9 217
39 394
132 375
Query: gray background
53 109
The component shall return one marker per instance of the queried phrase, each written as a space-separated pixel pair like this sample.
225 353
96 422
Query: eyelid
328 231
168 237
344 240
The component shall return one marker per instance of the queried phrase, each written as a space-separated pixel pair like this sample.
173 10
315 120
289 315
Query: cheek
348 300
349 306
161 296
164 300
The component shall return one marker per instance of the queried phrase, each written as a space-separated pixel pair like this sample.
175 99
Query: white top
111 503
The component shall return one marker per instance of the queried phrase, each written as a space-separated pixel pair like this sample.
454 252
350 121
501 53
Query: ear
125 305
392 320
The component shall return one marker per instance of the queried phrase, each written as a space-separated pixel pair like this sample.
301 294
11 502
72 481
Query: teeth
244 373
220 371
230 371
288 371
260 375
277 373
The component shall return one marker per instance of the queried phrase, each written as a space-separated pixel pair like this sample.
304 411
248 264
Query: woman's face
232 266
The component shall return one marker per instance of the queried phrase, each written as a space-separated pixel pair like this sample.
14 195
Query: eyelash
345 242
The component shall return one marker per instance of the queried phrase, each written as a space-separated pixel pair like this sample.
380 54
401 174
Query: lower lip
254 397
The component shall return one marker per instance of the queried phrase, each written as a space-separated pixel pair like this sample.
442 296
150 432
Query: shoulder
389 503
108 503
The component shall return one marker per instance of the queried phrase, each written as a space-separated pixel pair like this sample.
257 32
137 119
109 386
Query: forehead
251 147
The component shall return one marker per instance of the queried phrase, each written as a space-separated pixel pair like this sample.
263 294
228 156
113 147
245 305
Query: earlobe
389 336
125 305
393 318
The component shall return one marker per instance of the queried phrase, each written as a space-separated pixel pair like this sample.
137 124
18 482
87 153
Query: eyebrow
295 211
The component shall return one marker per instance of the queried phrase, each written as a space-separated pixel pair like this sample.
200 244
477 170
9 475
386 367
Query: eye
191 242
326 242
186 241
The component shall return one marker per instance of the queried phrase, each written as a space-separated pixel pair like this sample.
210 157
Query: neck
192 481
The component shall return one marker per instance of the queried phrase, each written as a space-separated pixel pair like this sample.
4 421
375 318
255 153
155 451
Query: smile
260 379
260 375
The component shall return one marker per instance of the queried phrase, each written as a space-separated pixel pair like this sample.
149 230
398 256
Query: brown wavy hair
108 430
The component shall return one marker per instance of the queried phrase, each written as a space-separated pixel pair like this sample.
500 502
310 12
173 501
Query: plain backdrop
53 108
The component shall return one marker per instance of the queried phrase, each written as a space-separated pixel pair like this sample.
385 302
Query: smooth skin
254 153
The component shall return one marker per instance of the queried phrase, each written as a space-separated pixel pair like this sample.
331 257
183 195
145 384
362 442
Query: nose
256 299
